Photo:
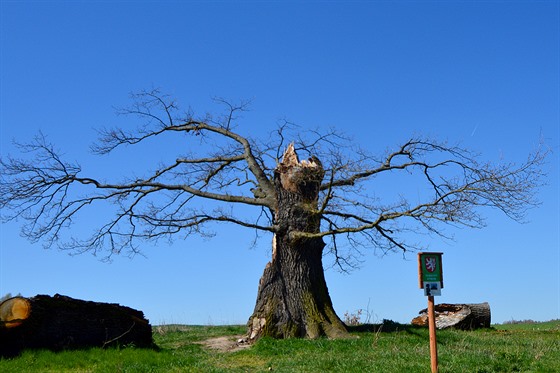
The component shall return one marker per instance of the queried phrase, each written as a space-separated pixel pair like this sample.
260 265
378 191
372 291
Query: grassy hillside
530 325
394 348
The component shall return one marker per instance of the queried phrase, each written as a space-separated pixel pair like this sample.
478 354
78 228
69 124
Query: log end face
14 311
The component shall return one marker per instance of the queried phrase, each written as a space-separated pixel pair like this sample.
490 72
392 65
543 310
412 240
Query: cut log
61 322
458 316
14 311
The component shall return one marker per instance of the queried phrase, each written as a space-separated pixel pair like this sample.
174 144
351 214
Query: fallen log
458 316
60 322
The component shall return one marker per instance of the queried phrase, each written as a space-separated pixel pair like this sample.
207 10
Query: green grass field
396 348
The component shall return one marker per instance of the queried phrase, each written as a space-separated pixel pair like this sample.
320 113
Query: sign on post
430 273
430 278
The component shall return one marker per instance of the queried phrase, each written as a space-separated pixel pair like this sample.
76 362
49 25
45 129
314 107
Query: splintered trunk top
293 299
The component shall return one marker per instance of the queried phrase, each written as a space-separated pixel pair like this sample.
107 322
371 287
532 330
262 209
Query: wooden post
433 339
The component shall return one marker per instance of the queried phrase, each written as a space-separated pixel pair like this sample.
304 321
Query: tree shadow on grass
386 326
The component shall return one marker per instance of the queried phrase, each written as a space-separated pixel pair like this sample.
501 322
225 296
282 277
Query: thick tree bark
293 299
61 322
458 316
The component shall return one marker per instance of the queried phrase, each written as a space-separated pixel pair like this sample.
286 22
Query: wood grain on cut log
458 316
61 322
14 311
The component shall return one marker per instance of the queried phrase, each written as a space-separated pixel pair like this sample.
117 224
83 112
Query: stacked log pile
61 322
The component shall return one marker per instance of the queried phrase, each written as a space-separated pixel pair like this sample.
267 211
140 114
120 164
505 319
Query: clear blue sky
483 73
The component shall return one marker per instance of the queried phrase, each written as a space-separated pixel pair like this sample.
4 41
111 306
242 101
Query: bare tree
310 207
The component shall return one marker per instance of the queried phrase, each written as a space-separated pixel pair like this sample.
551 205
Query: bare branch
188 194
460 185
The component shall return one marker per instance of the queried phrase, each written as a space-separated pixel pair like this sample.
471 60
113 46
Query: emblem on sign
431 264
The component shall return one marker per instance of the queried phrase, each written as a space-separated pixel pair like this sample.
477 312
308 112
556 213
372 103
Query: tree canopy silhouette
325 203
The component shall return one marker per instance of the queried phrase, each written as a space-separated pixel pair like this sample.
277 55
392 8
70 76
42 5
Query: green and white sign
430 273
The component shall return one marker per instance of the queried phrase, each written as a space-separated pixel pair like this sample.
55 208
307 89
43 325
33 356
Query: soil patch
230 343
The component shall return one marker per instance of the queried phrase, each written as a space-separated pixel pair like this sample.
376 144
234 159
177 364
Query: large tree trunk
293 299
458 316
62 322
